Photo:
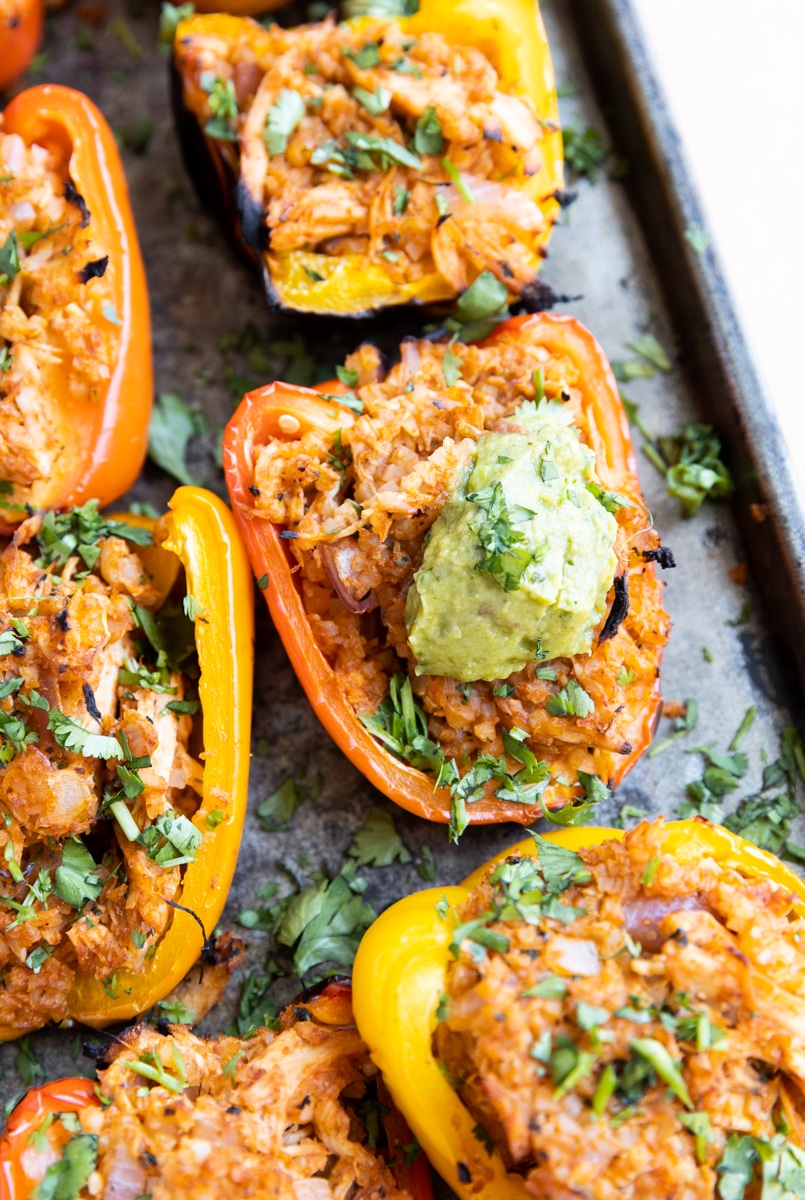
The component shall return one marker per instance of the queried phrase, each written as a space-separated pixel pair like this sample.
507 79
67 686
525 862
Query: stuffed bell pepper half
600 1016
75 337
457 556
377 162
125 674
297 1113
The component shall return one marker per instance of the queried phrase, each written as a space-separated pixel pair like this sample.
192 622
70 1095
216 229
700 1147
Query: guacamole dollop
518 563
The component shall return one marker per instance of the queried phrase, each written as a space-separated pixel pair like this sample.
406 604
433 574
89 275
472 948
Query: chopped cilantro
172 840
169 19
78 531
549 988
340 457
276 810
426 867
77 879
176 1012
452 366
571 701
173 425
375 102
362 152
698 237
367 57
585 150
282 119
428 137
650 349
348 376
223 106
9 258
151 1066
67 1178
682 725
74 737
625 677
400 202
462 187
324 923
691 463
656 1055
110 313
611 501
377 843
504 558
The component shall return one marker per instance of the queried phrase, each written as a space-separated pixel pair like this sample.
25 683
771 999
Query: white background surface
734 75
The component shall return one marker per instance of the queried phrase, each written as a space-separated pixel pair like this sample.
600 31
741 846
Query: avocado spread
518 563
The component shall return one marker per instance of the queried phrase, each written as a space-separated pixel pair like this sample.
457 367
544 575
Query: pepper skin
259 419
399 976
21 24
329 1004
511 35
198 534
111 440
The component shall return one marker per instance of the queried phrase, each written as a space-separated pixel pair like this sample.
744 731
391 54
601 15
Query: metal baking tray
622 248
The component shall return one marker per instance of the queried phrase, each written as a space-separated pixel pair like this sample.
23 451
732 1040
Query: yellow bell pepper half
400 974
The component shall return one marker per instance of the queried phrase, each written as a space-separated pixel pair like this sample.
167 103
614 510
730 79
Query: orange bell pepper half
283 411
108 436
21 26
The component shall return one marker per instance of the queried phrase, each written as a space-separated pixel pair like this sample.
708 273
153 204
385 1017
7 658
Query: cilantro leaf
10 257
277 809
72 736
482 306
428 138
223 106
170 17
324 923
452 366
504 558
67 1178
377 843
585 150
650 349
375 102
79 530
282 119
77 879
173 425
571 701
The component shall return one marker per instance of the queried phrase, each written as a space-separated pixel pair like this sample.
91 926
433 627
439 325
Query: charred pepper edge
399 976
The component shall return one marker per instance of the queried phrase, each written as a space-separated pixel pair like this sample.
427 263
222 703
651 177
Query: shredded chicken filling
290 1116
94 757
59 330
356 511
410 153
625 1047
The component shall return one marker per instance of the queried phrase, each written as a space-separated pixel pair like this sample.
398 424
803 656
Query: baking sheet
213 339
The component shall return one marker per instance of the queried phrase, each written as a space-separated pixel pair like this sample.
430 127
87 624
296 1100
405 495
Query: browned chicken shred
67 634
413 218
281 1116
59 331
360 514
675 950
